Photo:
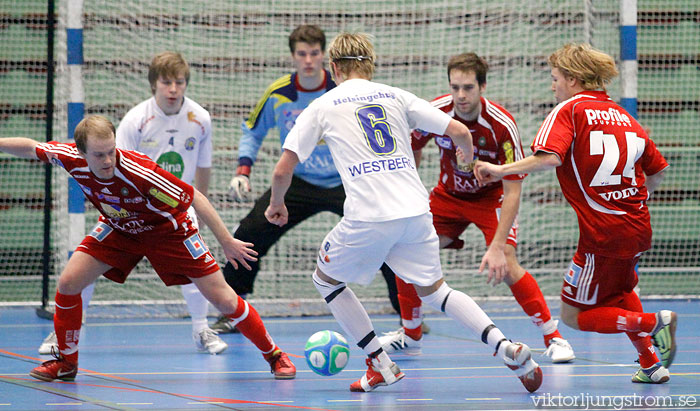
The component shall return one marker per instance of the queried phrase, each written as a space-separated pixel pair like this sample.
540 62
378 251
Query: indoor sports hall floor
152 365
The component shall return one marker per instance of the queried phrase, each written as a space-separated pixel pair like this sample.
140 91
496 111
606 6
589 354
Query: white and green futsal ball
327 352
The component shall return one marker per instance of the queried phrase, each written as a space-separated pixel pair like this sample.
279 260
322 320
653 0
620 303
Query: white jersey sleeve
423 115
306 133
206 147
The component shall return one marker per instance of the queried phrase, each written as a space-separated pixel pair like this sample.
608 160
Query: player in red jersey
458 201
143 214
607 168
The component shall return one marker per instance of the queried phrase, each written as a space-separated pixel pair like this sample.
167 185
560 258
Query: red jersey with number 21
605 155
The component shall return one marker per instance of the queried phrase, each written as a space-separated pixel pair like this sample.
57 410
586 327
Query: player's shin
67 322
461 308
411 315
248 321
352 317
528 294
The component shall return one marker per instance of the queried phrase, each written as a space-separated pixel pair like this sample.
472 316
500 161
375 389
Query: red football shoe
58 369
375 377
519 359
281 366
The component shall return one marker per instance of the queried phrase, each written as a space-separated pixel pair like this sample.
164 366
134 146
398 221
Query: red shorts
451 216
174 257
597 281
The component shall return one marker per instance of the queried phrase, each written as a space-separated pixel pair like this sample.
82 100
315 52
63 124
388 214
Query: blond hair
96 126
167 64
591 67
353 53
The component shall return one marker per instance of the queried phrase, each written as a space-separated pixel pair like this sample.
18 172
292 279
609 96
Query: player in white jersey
175 132
386 218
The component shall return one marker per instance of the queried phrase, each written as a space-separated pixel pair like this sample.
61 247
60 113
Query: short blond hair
97 126
353 53
593 68
168 64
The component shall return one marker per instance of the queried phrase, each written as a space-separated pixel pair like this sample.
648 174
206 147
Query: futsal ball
327 352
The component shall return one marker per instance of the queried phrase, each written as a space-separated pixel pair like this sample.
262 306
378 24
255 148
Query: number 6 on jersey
377 131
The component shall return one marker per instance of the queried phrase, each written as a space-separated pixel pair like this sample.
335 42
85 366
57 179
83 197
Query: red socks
410 308
250 324
528 294
66 322
613 320
628 318
647 355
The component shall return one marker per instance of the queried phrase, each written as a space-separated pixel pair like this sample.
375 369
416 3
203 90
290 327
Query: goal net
236 49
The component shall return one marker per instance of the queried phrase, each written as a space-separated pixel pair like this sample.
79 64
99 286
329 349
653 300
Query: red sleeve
652 160
556 133
184 196
60 154
419 139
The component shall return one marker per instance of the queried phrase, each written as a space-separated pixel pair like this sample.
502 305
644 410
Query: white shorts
354 250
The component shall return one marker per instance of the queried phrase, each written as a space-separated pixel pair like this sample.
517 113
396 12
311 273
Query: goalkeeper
316 185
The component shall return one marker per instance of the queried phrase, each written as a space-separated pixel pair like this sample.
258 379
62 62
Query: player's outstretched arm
460 135
19 147
487 172
276 212
236 251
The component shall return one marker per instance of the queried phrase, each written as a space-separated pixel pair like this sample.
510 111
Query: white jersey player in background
175 132
386 218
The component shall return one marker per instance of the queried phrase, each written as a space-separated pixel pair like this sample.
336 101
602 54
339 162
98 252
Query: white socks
86 296
461 308
197 305
351 316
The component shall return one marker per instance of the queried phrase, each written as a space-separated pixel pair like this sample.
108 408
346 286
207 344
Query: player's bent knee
569 315
328 291
70 285
514 274
438 299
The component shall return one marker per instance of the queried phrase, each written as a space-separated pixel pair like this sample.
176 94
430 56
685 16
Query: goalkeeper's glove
239 187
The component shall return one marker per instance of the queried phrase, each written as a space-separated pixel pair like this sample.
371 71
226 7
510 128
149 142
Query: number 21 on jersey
372 121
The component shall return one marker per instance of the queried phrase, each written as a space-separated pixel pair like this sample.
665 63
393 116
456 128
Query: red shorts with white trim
598 281
174 257
451 216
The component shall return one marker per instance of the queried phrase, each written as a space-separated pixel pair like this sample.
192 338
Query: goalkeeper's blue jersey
280 106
